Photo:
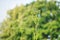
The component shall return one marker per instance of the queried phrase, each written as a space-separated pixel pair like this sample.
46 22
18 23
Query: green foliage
35 21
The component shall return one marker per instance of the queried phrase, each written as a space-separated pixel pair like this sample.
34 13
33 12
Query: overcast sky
9 4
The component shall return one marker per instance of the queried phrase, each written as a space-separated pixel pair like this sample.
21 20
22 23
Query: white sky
9 4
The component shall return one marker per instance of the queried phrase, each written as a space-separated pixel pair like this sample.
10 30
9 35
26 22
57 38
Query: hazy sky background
9 4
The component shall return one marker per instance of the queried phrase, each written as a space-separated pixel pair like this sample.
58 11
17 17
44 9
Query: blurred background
10 4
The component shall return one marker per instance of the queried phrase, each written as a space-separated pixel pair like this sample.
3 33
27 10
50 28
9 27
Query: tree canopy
38 20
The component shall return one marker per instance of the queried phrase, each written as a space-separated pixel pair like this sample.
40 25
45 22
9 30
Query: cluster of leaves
35 21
